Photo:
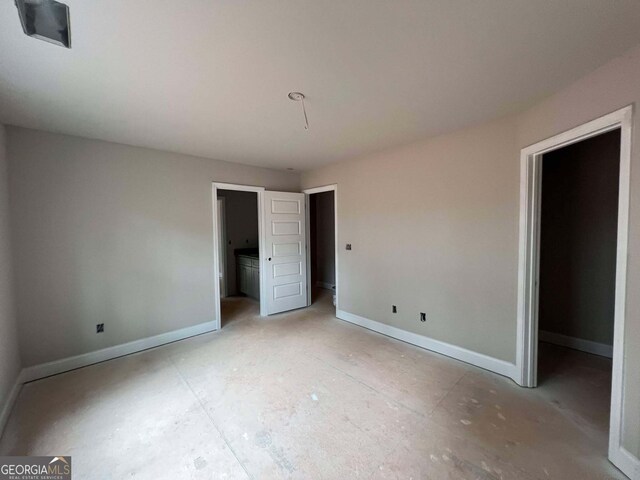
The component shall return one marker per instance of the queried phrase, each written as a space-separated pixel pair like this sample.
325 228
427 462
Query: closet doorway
322 260
590 252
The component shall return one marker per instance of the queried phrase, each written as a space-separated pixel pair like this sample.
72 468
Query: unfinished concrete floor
304 395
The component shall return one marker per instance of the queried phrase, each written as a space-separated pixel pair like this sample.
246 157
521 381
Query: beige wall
434 226
9 356
107 233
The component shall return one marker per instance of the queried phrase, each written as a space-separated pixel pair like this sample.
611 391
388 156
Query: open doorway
572 271
274 273
237 243
577 277
322 248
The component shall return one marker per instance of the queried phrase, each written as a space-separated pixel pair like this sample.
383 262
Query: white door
284 261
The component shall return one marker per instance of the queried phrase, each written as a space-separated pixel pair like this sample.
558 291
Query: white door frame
222 238
310 191
216 261
528 263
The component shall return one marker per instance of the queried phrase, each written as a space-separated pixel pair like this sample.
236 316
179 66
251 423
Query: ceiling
211 78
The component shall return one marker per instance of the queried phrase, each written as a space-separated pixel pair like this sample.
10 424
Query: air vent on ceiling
46 20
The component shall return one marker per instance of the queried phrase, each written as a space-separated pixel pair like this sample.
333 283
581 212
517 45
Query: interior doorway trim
528 262
216 260
310 191
222 252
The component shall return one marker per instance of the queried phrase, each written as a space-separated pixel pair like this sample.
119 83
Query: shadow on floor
235 308
577 382
322 299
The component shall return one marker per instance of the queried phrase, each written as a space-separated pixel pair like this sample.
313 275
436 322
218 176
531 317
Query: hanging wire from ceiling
299 97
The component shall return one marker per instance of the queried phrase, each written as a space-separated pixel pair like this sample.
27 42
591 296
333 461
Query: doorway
577 270
237 241
239 254
544 302
274 274
322 258
578 236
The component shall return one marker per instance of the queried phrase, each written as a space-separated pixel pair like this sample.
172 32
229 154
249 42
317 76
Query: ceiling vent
46 20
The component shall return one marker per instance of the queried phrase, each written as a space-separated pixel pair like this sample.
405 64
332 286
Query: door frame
528 262
222 236
216 261
307 192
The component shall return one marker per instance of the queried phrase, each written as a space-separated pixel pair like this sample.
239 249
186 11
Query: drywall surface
434 229
323 238
9 352
578 234
434 226
107 233
241 218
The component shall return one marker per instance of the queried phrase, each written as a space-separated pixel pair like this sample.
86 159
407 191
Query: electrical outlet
423 317
348 246
394 309
100 328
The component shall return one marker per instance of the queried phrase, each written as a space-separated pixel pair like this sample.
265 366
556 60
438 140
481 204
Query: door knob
269 258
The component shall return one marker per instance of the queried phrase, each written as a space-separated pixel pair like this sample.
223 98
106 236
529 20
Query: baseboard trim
626 462
588 346
9 402
325 285
481 360
70 363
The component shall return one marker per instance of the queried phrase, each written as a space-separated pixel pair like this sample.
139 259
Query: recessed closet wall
579 221
322 231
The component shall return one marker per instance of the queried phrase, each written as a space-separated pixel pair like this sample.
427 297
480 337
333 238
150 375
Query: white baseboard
474 358
325 285
63 365
8 403
626 462
588 346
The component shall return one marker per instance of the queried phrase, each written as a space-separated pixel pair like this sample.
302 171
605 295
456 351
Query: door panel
283 269
286 249
286 228
285 264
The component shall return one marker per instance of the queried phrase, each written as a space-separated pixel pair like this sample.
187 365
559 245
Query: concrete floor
304 395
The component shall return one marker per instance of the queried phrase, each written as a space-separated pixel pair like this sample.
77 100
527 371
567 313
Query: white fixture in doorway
310 191
528 265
